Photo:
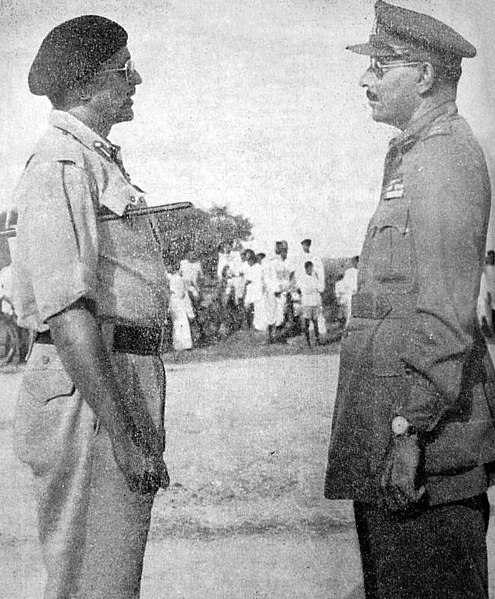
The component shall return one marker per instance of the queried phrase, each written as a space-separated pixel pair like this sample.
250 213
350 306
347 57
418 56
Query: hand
144 472
160 471
399 480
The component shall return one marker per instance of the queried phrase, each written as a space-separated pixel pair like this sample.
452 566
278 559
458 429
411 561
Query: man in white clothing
346 287
278 284
311 288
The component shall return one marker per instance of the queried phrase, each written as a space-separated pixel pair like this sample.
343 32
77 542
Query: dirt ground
245 516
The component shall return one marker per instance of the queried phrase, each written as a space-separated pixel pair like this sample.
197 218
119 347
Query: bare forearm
79 343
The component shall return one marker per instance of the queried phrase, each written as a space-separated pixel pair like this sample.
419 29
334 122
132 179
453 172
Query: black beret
73 52
402 33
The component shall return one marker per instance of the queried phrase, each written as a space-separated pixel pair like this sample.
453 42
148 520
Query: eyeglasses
378 69
129 69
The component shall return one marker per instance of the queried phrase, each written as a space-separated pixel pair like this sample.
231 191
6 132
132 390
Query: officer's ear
426 77
85 90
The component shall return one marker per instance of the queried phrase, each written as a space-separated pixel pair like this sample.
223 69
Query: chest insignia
393 191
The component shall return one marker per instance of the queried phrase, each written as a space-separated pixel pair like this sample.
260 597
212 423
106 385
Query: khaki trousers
92 528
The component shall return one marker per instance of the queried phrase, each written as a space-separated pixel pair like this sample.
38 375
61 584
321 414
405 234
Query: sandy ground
245 516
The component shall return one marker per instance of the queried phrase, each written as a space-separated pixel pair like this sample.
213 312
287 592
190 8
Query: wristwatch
401 427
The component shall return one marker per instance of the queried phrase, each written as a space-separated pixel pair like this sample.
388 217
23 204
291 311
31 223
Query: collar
87 137
405 140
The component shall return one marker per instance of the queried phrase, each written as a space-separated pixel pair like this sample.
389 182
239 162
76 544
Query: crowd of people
279 295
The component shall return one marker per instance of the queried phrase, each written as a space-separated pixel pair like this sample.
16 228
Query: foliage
201 232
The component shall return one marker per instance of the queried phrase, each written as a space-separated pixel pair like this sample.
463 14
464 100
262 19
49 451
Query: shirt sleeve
448 212
59 225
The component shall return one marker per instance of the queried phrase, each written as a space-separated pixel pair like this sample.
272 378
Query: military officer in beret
89 421
413 436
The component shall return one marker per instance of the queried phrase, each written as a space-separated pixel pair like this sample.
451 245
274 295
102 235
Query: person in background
484 307
225 258
6 290
305 255
239 283
180 309
346 287
90 409
231 279
413 435
192 273
311 289
260 310
489 272
254 288
278 284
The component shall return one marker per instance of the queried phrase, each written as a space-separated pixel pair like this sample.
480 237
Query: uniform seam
70 211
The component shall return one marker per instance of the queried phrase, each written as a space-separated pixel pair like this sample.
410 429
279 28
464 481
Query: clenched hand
399 488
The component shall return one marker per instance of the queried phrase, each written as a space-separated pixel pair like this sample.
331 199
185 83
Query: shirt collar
89 138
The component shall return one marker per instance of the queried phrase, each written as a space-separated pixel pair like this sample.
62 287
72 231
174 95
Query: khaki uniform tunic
92 528
413 345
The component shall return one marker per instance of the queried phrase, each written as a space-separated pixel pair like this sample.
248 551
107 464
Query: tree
201 231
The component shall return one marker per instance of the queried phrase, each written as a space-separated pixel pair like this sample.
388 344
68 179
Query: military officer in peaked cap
89 420
413 436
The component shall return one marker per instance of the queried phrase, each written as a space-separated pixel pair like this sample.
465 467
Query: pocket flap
45 378
393 213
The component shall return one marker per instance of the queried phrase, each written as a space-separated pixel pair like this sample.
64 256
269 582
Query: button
45 360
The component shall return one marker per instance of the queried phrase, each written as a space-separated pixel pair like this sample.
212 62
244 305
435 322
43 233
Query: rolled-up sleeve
59 236
449 208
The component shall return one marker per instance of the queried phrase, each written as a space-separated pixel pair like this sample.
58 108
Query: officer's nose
366 78
136 78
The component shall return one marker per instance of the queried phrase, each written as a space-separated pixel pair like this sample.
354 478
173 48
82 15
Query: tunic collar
89 138
407 138
85 135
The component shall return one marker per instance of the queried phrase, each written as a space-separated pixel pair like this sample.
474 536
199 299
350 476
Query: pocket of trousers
44 413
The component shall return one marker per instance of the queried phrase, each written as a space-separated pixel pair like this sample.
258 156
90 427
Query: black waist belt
143 341
378 307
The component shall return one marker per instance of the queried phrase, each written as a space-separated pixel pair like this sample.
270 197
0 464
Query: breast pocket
392 256
45 378
47 409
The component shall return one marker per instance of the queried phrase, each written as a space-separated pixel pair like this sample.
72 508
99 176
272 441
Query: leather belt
379 307
142 341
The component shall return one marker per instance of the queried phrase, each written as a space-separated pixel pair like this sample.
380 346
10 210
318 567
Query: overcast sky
253 104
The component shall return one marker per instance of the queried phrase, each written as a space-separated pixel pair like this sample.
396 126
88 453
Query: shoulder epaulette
60 146
438 129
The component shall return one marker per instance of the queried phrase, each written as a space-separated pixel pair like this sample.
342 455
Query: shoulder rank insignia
440 129
394 190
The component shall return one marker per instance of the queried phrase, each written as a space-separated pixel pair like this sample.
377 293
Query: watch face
399 425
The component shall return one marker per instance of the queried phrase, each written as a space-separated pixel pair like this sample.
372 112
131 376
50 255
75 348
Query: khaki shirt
64 251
